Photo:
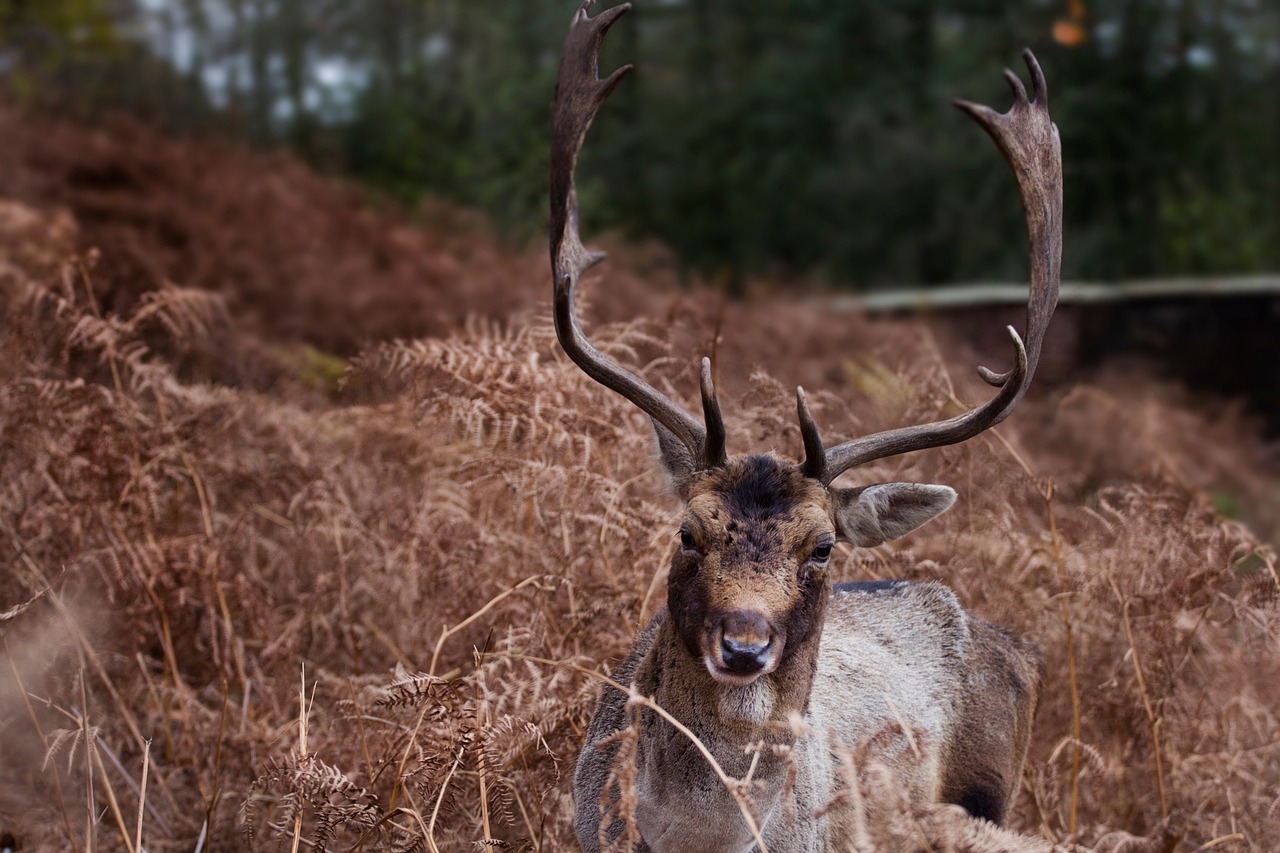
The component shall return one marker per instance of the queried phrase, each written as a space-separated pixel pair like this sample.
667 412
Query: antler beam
579 94
1028 139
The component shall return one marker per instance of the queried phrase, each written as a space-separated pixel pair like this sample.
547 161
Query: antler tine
815 458
1028 139
714 453
579 95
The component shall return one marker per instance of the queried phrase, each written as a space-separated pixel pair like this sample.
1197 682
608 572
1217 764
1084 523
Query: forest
312 536
757 137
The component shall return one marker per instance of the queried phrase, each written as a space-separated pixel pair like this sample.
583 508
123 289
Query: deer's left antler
1029 141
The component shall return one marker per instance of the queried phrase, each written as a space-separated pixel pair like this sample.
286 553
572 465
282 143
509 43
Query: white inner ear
881 513
676 461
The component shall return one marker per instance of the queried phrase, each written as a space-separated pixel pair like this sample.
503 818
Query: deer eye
821 553
687 542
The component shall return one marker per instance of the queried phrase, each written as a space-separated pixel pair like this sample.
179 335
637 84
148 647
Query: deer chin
752 704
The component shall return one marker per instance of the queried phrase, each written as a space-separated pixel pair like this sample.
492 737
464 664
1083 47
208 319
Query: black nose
745 657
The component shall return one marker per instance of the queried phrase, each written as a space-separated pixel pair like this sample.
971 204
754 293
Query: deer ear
874 514
677 461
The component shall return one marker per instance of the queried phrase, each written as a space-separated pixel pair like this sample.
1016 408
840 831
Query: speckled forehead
764 490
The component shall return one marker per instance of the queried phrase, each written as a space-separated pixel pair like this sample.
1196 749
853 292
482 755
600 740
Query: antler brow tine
815 458
1028 139
579 94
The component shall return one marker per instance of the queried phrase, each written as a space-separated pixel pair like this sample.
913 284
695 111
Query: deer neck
680 797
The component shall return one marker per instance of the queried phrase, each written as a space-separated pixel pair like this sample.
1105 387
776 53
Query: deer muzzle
742 646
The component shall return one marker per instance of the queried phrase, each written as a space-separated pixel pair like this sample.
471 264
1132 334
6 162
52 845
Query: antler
1029 141
579 95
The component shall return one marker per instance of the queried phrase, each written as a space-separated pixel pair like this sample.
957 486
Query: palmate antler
1025 135
579 94
1029 141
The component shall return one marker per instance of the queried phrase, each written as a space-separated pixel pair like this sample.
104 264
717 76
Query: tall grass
237 614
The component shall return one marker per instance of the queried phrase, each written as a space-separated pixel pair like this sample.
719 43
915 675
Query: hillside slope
299 257
270 607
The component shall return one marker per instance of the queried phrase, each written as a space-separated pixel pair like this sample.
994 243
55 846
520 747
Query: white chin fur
747 703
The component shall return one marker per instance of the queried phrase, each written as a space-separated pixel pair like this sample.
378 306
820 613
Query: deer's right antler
579 94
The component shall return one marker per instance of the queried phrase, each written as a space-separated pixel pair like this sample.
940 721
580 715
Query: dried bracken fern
452 543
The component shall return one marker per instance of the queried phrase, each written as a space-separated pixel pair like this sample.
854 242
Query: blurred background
757 137
279 394
758 140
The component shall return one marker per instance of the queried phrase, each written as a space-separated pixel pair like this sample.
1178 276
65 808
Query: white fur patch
750 704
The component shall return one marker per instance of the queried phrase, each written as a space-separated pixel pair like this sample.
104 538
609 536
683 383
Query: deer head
748 584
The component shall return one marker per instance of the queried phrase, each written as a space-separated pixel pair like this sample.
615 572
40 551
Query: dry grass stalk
215 531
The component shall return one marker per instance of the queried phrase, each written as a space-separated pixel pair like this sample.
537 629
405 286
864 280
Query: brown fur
896 673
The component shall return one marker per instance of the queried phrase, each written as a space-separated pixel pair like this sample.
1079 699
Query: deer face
748 583
749 575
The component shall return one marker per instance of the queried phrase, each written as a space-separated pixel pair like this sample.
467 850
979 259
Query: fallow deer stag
754 634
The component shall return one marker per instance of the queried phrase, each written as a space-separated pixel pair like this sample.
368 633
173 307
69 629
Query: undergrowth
235 615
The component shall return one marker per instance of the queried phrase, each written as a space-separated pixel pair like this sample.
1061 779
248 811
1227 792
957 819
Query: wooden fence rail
1073 293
